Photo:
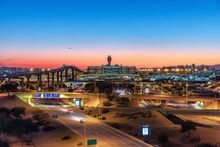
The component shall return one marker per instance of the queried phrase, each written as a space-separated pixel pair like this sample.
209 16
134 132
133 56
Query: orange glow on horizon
130 57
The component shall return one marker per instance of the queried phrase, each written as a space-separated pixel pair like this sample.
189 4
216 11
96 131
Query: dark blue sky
187 27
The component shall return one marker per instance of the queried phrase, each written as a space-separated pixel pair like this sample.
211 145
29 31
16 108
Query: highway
211 112
204 112
67 95
173 98
95 129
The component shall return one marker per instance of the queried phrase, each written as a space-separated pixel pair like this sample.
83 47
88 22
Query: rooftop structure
111 69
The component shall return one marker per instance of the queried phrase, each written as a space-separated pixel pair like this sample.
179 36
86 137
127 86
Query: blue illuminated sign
38 95
47 95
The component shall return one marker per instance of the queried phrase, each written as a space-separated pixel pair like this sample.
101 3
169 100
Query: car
54 116
69 111
82 121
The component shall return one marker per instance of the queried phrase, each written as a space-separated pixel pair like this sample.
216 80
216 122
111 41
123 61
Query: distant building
111 69
193 66
217 75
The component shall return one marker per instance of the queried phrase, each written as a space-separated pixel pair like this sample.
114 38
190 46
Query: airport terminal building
110 72
111 69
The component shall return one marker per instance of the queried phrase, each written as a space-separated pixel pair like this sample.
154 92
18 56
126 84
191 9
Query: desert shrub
40 116
135 117
116 125
107 103
124 99
206 145
18 111
105 110
187 126
66 138
163 139
48 128
4 144
110 97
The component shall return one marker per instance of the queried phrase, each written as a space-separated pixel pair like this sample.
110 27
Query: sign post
145 131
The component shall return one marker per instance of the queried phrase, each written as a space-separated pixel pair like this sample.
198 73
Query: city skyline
49 34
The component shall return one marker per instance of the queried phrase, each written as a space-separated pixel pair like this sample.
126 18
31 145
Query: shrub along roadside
4 144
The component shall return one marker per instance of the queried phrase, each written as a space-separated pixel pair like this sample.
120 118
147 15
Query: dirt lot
41 139
129 121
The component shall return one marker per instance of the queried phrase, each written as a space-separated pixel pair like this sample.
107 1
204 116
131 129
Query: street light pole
84 128
187 95
98 103
97 97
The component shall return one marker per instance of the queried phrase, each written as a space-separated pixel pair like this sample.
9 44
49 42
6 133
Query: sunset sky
144 33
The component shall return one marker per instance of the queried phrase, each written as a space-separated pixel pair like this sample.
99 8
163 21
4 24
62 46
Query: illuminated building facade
111 69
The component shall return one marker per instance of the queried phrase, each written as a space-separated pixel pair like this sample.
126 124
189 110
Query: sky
142 33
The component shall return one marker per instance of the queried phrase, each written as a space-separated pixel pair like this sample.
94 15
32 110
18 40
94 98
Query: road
173 98
95 129
67 95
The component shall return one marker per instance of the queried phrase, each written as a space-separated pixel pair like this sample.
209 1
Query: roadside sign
145 130
91 142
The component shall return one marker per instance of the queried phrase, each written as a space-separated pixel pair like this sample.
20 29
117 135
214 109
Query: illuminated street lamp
97 97
187 85
84 127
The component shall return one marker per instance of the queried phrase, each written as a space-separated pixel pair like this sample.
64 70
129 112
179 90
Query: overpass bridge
86 97
54 77
208 103
174 98
206 112
67 97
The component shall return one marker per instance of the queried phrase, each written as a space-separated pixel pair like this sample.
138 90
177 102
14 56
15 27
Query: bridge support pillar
52 79
48 79
73 74
61 76
66 74
61 79
58 79
39 80
28 83
22 83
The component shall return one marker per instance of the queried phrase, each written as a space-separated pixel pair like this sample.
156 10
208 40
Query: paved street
94 129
